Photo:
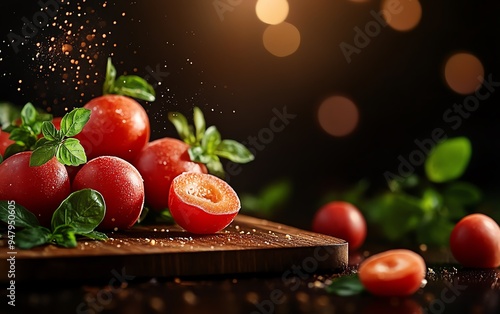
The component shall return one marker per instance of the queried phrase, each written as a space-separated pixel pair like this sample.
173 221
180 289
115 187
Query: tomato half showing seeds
159 163
393 273
475 242
39 189
342 220
202 203
121 186
118 126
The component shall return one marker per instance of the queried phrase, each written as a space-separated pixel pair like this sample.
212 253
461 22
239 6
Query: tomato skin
475 242
121 186
341 220
4 142
159 163
39 189
202 214
396 272
118 126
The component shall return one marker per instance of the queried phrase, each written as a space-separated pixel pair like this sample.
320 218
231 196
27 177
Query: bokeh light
272 11
281 40
402 15
463 73
338 116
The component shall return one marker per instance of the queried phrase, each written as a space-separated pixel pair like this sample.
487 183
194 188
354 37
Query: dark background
221 66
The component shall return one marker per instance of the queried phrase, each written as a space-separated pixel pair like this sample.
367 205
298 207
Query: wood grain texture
248 245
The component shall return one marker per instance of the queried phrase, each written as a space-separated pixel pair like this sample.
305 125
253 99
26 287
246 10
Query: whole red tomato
121 186
159 163
4 142
341 220
475 241
393 273
39 189
118 126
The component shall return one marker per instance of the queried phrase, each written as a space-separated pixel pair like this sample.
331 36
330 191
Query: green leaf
134 86
199 123
43 154
83 210
8 114
71 153
197 154
14 149
110 78
448 160
64 235
211 140
28 114
435 232
431 201
95 235
22 217
73 122
275 194
234 151
31 237
49 131
181 125
21 135
463 193
215 167
1 158
346 286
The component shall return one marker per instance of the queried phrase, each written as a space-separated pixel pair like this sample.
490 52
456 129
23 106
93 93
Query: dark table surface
449 289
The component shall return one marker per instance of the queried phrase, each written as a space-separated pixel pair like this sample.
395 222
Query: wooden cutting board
248 245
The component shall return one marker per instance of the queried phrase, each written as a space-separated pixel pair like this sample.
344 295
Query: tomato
39 189
159 163
393 273
202 203
118 126
121 186
475 242
4 142
341 220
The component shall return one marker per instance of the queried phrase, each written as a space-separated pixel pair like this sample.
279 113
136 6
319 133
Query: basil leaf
110 78
73 122
8 114
28 114
448 160
199 123
21 135
49 131
197 154
22 217
1 158
83 210
134 86
95 235
71 153
43 154
31 237
211 140
234 151
215 168
64 235
463 193
13 149
346 286
181 125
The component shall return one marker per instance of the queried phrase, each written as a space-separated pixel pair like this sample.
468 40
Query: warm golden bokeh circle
463 73
338 116
272 11
402 15
281 40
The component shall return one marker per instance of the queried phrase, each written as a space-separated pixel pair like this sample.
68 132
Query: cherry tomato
118 126
202 203
159 163
4 142
121 186
475 242
393 273
341 220
39 189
